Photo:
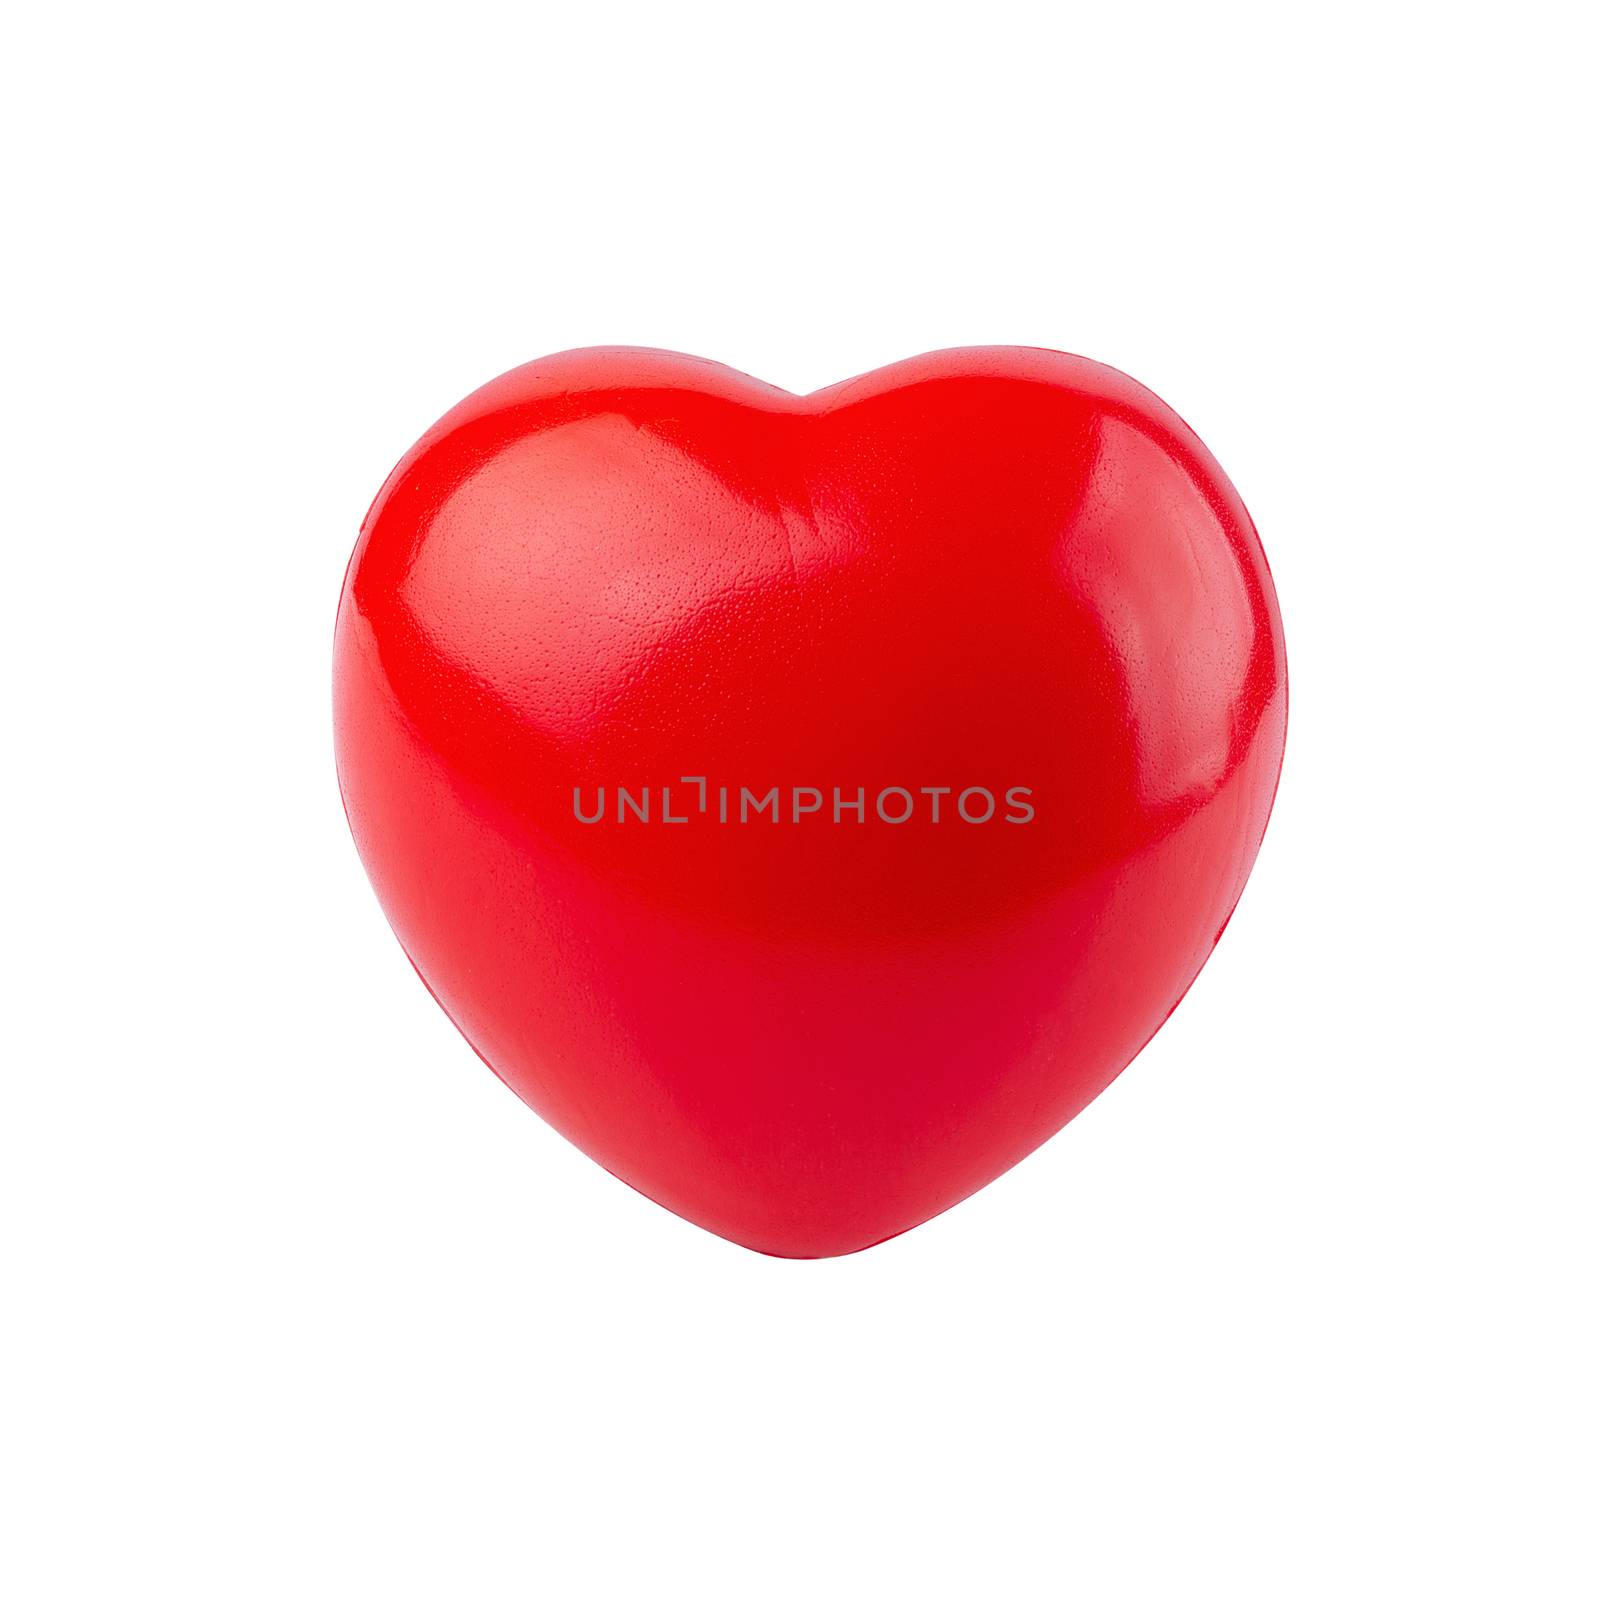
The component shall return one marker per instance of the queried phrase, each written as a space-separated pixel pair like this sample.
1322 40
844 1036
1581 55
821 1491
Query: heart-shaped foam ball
808 805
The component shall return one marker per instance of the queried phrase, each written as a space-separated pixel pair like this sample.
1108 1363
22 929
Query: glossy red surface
990 569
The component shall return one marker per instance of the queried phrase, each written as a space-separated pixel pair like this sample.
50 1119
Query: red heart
993 626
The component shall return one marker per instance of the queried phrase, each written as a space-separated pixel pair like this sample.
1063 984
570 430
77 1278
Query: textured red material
979 657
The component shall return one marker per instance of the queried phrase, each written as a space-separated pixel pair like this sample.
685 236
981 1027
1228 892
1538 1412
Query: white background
300 1301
